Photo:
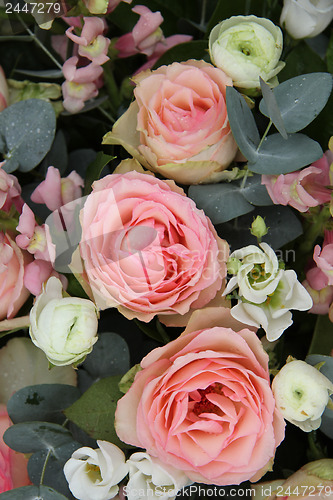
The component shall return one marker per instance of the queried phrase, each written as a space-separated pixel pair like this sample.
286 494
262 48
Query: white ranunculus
95 474
302 393
150 478
64 328
246 48
306 18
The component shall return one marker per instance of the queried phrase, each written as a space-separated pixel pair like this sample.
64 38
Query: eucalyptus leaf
272 108
29 437
254 192
300 99
242 124
33 493
94 411
110 356
41 402
280 156
220 202
27 129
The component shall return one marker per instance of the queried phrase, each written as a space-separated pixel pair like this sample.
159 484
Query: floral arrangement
166 249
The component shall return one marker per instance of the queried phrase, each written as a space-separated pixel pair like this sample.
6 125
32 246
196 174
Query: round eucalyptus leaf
27 129
220 202
300 99
110 356
42 402
255 192
30 437
32 493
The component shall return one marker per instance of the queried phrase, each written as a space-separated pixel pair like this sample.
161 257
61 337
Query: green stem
44 468
245 179
203 13
315 229
264 136
106 114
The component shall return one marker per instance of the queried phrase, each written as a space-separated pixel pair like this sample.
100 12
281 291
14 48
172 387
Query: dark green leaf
322 339
41 402
280 156
220 202
272 108
196 49
15 38
28 129
300 99
32 493
301 60
94 411
110 356
95 168
29 437
224 10
329 55
57 157
242 124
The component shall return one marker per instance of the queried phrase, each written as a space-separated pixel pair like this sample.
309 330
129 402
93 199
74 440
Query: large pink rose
13 466
203 404
147 249
178 124
13 293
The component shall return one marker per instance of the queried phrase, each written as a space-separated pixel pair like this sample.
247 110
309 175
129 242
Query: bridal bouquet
166 249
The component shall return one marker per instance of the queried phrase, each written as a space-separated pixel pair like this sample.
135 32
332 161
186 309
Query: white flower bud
95 474
302 393
63 327
306 18
151 478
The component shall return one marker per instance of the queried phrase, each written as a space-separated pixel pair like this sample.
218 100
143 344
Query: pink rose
203 404
13 260
147 249
178 124
13 466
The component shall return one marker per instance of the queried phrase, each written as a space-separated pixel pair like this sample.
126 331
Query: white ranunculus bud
246 48
95 474
306 18
301 393
64 328
151 478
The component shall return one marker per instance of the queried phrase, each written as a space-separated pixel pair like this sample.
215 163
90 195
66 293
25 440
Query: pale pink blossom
304 188
13 261
13 465
4 94
84 74
34 238
102 6
37 273
324 260
114 3
10 192
161 47
55 191
322 298
144 36
92 44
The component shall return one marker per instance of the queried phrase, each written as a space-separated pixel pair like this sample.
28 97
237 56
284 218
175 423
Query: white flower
266 292
150 478
246 47
306 18
63 327
301 393
95 474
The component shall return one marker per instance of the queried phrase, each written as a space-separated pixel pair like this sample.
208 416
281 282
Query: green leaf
322 339
300 99
301 60
197 49
49 73
329 54
224 10
220 202
94 411
280 156
30 437
57 156
32 493
41 402
254 192
95 168
272 108
242 124
110 356
27 129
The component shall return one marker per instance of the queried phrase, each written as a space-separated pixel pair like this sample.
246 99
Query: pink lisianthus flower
203 403
13 465
92 44
302 189
55 191
37 273
4 94
144 36
33 238
10 192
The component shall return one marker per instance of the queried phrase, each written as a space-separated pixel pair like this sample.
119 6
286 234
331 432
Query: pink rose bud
92 44
55 191
4 94
13 260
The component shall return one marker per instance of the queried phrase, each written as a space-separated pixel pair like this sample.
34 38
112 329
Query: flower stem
264 136
44 468
203 13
